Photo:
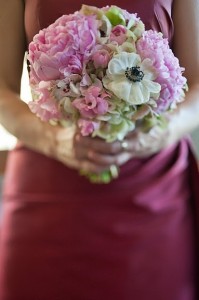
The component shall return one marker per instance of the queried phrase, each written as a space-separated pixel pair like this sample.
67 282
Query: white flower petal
148 69
107 79
129 59
154 87
135 93
116 66
121 61
121 88
139 94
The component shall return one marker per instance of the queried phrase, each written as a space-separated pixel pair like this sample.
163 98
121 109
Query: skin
68 146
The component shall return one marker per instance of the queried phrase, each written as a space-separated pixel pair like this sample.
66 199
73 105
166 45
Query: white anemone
131 79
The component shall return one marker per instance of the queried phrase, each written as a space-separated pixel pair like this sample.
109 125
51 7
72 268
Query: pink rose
101 58
118 34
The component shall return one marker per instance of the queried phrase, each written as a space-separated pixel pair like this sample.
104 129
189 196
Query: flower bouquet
102 71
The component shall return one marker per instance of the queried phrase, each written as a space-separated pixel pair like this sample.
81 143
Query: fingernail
90 154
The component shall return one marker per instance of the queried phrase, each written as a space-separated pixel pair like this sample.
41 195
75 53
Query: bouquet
102 71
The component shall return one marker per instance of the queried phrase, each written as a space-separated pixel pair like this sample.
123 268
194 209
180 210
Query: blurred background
7 141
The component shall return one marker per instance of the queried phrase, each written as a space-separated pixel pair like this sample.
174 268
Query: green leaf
115 17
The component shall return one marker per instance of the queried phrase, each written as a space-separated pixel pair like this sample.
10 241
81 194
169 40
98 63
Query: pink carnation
153 46
92 104
46 106
87 127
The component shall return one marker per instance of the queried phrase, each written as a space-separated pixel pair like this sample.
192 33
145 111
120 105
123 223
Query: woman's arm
15 116
186 48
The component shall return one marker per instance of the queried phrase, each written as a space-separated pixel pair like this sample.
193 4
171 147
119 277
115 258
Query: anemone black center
134 74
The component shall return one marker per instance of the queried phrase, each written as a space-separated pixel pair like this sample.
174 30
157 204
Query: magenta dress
63 238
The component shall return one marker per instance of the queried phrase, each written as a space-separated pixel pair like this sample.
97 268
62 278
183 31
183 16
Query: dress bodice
156 14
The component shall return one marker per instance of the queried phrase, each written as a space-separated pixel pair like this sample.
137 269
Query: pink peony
46 106
71 65
45 68
61 48
153 46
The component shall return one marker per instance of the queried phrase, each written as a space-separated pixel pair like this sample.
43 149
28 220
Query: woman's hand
102 155
137 144
92 155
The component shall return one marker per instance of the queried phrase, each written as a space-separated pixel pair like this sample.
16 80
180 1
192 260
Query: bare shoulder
12 44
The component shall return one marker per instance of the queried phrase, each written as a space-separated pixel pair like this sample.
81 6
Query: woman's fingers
84 153
97 155
145 144
97 144
90 154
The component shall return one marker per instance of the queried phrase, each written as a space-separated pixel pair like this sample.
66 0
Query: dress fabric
63 238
